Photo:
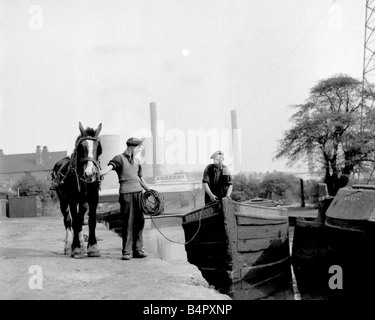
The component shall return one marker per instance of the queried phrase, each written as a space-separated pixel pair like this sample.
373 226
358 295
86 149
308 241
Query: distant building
39 164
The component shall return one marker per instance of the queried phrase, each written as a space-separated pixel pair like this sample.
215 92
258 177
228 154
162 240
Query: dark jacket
218 179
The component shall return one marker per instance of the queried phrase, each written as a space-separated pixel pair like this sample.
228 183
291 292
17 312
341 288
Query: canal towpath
33 246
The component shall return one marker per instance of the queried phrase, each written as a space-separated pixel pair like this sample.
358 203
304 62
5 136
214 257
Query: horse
76 180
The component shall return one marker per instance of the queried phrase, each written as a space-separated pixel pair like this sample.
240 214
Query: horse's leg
64 208
77 229
68 237
68 228
92 247
82 211
82 240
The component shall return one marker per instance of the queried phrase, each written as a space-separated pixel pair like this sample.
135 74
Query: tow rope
155 206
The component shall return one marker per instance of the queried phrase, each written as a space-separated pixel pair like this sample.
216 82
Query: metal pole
368 53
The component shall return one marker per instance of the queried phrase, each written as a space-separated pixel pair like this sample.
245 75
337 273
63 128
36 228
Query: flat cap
217 153
134 141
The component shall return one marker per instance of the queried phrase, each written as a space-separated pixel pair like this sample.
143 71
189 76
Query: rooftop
22 162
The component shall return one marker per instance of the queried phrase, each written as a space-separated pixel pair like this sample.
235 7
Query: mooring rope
199 226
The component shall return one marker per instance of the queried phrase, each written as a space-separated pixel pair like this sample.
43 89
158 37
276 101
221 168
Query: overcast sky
100 61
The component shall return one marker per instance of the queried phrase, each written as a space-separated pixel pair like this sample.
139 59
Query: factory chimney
236 143
157 142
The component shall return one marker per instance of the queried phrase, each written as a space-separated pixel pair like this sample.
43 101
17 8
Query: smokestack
157 130
1 152
45 149
236 142
38 154
153 118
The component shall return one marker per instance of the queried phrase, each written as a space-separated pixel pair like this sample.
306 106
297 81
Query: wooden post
323 190
324 202
302 193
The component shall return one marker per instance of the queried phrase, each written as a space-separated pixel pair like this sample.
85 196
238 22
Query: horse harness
58 178
86 159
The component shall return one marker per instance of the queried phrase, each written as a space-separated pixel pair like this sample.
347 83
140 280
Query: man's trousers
132 222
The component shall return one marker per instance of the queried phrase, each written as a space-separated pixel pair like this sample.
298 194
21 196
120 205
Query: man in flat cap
217 181
129 172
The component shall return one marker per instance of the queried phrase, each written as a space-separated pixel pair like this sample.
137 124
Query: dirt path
33 246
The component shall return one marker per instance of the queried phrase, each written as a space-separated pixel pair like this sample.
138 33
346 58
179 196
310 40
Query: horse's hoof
67 250
93 251
77 253
83 247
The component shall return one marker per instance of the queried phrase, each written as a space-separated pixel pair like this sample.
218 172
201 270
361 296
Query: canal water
165 238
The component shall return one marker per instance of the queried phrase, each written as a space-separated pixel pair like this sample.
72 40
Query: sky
105 61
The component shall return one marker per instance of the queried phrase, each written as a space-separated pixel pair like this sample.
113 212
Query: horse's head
88 149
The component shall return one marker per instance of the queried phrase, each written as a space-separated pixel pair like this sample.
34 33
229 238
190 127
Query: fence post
302 193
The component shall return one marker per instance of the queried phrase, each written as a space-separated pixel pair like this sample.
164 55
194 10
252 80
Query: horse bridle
86 159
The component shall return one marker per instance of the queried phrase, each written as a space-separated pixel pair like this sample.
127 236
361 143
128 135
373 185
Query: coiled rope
152 203
155 206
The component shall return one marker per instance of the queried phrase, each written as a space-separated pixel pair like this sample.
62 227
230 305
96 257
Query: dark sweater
128 173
